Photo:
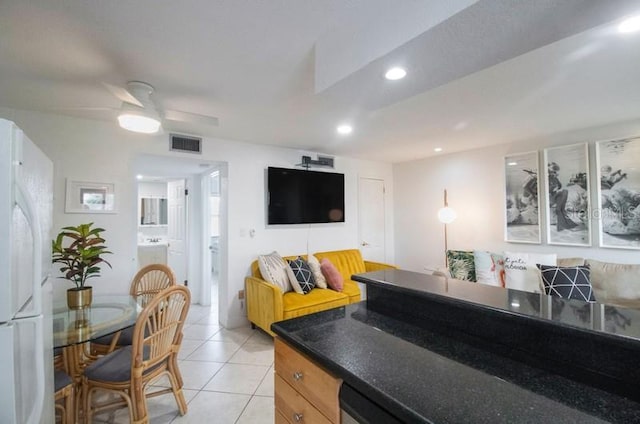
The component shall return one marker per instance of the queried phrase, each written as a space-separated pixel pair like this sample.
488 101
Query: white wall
100 151
475 184
152 189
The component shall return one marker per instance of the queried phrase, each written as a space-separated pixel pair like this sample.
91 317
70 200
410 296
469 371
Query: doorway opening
190 228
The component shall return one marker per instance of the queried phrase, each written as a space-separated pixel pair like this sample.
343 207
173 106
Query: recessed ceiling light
395 74
344 129
630 25
139 176
512 163
437 149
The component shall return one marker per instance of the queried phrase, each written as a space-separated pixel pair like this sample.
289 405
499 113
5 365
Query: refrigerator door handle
38 407
24 202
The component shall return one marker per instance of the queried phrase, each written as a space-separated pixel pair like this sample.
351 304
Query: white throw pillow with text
521 272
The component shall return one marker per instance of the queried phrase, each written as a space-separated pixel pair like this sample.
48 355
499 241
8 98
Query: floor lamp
446 215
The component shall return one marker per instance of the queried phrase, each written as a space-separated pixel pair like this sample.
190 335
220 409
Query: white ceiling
286 72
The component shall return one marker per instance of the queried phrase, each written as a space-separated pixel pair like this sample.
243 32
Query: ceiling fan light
139 123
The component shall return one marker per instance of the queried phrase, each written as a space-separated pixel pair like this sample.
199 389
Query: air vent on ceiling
183 143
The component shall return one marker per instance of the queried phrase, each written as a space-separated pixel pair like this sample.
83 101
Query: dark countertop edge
388 403
617 338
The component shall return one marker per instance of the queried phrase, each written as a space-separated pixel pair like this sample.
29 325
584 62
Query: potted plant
80 260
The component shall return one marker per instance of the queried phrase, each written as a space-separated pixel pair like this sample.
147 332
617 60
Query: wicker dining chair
64 395
129 371
147 282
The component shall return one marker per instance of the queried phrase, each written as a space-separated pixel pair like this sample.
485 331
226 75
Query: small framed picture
89 197
618 165
567 195
522 200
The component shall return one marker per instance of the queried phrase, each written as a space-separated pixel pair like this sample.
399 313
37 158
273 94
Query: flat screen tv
296 196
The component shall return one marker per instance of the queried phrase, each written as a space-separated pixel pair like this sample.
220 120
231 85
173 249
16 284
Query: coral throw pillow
332 275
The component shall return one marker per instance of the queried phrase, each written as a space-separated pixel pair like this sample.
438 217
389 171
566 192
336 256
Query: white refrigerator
26 354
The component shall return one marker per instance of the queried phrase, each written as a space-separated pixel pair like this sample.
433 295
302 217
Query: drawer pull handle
297 376
297 418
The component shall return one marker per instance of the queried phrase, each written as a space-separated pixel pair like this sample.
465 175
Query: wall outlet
241 294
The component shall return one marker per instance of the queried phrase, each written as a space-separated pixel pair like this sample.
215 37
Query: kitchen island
421 349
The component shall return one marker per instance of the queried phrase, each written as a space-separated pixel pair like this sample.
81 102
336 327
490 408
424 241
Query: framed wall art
89 197
618 209
522 198
566 178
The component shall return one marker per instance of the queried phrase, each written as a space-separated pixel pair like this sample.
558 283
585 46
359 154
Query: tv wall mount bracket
321 161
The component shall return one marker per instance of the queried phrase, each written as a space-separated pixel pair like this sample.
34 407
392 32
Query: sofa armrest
377 266
264 303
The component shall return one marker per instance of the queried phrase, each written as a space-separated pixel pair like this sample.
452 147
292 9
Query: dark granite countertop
423 376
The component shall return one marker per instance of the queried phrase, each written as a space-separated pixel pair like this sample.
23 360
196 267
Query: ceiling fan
139 113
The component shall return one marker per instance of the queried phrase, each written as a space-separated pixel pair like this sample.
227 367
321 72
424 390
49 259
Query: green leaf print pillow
461 265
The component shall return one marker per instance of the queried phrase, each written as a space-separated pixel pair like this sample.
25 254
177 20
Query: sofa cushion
489 268
300 276
351 289
335 281
570 282
521 271
295 305
461 265
314 264
570 261
274 270
615 283
348 262
60 380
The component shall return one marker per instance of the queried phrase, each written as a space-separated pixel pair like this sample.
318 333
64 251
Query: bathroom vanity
152 253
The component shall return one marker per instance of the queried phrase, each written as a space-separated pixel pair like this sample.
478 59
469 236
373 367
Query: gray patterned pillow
461 265
303 275
570 282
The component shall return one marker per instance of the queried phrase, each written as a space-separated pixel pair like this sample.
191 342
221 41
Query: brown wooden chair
64 395
147 282
128 371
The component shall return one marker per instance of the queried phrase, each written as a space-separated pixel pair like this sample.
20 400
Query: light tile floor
228 376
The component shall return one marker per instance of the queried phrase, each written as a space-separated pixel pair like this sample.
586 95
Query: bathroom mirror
153 211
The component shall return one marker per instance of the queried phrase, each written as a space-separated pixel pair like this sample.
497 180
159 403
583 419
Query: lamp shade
447 215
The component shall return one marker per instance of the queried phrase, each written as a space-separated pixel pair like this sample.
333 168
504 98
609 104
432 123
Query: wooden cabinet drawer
318 386
293 407
280 419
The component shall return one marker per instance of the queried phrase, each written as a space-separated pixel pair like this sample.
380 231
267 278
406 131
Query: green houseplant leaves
80 260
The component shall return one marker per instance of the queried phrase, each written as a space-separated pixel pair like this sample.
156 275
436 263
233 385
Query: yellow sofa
267 304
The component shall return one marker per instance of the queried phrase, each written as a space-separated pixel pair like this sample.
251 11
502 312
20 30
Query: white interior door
371 218
177 229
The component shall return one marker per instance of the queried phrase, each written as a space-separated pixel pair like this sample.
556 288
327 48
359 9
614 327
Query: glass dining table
74 329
